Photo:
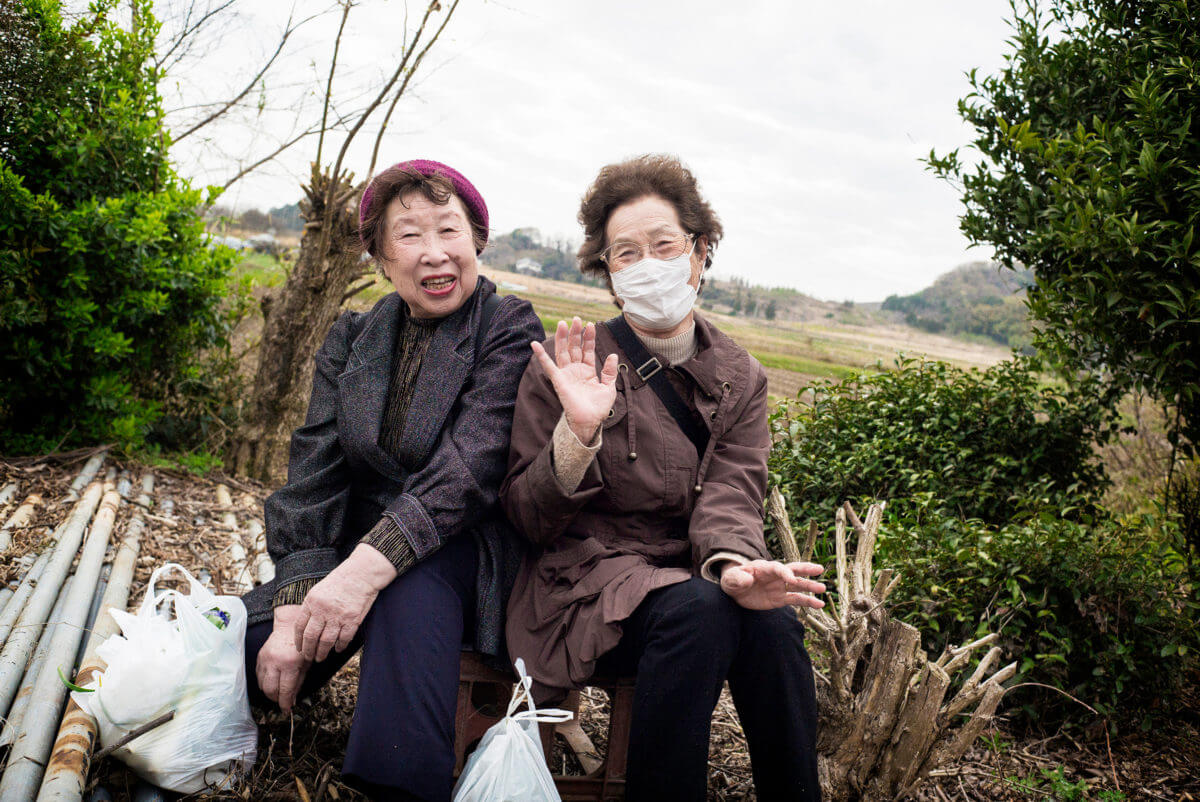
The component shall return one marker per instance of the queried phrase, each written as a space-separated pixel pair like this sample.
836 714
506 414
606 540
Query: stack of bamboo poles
246 567
888 718
43 620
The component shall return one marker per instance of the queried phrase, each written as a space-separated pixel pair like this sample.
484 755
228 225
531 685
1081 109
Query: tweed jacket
341 481
649 511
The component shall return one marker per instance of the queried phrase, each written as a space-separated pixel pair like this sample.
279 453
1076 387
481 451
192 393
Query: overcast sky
803 121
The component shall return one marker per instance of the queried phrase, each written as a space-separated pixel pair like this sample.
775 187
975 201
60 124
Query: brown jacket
635 523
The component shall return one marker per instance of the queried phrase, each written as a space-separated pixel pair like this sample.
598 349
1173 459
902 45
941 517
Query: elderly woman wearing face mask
638 470
387 536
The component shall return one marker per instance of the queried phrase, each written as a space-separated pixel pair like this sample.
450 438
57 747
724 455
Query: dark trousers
401 742
683 642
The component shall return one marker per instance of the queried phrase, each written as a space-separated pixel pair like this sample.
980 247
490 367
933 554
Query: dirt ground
300 755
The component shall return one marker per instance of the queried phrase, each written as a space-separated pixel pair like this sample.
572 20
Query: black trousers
683 642
401 742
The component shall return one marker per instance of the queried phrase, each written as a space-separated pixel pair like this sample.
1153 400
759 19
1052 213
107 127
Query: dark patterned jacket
340 480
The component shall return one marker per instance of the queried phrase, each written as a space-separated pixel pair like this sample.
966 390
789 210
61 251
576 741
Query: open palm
586 396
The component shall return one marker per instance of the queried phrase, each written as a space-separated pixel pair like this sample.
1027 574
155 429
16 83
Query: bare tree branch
289 29
434 5
188 32
337 45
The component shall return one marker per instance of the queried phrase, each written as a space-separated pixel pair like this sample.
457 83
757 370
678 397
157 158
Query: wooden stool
483 695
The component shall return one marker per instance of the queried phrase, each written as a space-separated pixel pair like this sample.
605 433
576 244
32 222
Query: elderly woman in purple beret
387 536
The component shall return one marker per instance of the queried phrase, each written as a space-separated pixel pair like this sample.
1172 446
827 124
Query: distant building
263 243
529 266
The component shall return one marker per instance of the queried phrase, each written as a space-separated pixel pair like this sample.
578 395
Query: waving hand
586 396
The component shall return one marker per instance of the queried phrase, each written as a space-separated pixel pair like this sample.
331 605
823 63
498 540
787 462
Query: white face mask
655 293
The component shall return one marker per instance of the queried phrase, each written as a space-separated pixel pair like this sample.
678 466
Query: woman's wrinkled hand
586 397
280 668
336 606
767 584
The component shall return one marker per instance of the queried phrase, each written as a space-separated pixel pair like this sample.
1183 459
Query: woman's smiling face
430 254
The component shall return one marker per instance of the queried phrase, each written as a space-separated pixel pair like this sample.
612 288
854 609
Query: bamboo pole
16 649
240 580
67 771
15 715
12 611
18 519
8 492
90 469
264 566
31 748
6 593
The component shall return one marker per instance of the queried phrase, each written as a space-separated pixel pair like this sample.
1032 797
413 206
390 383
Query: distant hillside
979 298
524 250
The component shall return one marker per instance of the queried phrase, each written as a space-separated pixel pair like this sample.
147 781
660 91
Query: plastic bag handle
152 598
522 692
547 715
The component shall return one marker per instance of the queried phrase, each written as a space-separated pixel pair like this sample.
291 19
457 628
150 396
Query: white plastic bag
192 663
509 765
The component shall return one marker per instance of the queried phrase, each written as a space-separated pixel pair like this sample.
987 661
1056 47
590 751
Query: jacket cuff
293 592
570 457
716 563
387 538
312 564
414 524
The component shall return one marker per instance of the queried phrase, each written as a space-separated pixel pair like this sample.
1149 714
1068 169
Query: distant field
793 353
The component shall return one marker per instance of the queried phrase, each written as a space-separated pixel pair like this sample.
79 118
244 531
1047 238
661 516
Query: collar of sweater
675 350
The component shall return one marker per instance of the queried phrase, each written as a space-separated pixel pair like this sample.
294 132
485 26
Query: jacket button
725 386
697 489
632 456
712 415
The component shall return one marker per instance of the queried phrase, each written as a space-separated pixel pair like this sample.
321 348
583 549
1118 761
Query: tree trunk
295 321
885 721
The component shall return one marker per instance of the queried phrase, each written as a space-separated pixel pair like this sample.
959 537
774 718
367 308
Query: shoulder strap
485 321
650 370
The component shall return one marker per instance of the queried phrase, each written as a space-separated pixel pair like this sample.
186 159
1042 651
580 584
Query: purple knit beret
463 188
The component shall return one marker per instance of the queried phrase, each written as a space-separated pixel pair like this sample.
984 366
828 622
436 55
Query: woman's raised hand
586 397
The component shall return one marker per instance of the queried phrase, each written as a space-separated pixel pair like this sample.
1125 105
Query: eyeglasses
623 254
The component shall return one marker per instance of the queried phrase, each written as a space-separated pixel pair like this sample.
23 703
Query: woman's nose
433 250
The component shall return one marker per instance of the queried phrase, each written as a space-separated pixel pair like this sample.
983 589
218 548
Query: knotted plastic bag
509 765
192 663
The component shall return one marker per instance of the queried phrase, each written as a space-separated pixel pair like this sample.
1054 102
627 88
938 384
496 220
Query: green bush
992 524
110 301
1100 607
993 445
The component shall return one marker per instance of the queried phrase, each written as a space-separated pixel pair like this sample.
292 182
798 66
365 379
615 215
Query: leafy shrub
1100 608
109 297
992 523
992 445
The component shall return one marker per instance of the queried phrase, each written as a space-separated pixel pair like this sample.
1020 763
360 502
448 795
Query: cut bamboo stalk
16 649
18 519
67 771
17 713
12 611
90 469
240 580
264 566
31 747
8 492
6 593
